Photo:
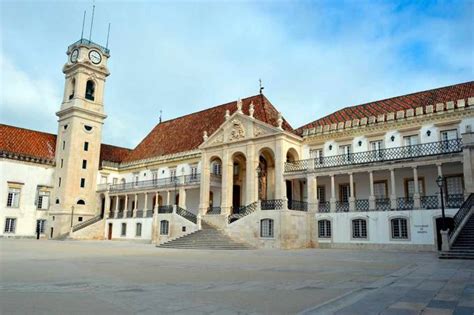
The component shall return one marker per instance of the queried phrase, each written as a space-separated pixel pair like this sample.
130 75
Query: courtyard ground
104 277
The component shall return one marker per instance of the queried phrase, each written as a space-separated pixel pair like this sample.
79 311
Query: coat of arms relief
237 132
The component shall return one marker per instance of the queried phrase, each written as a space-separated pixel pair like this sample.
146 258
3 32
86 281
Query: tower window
73 87
90 90
87 128
59 182
62 163
83 182
84 164
81 202
86 146
64 145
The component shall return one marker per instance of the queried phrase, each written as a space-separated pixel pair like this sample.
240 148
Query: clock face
74 55
95 57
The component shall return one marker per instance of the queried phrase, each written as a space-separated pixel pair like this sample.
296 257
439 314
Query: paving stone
398 311
462 310
408 305
442 304
436 311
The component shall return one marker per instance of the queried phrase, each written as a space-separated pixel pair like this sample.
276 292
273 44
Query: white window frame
324 229
13 197
164 227
267 228
138 229
123 229
400 230
217 168
10 225
357 232
42 203
40 225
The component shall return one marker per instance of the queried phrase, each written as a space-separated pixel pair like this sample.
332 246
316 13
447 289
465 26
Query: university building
238 175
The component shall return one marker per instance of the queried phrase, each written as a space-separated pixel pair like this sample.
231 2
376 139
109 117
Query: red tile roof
394 104
185 133
42 145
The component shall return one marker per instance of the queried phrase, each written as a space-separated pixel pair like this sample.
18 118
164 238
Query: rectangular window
40 225
114 181
359 228
64 145
266 228
346 151
154 177
173 174
83 182
376 148
410 187
84 164
194 171
10 225
216 169
449 135
321 194
380 189
86 146
344 192
410 140
43 200
123 231
138 230
399 228
13 199
324 228
62 163
164 227
317 154
59 182
454 185
136 178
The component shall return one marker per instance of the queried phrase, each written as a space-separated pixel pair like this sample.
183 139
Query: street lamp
440 182
72 215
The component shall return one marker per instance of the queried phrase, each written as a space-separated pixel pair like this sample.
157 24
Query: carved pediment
237 130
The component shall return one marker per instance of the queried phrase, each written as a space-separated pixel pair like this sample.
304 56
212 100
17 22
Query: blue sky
314 57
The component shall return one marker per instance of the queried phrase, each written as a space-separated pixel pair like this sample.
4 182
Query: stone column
416 195
280 158
125 207
168 198
156 205
440 173
312 193
332 200
145 206
372 196
227 183
117 201
205 186
182 198
352 202
107 205
135 206
468 160
393 193
251 174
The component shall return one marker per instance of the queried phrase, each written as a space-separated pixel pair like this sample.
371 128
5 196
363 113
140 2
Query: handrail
86 223
243 212
297 205
186 214
390 154
271 204
155 183
463 214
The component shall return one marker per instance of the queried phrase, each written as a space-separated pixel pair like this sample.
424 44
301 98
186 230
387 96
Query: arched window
399 228
72 88
123 231
266 228
138 230
216 168
324 228
359 229
90 90
57 201
164 227
81 202
211 199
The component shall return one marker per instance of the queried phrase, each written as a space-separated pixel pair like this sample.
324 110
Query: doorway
236 199
439 225
109 236
289 190
102 208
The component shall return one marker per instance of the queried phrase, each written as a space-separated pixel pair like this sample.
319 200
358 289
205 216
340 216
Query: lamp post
72 215
440 182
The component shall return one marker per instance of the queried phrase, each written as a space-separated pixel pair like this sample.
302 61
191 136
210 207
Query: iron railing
183 180
454 201
297 205
429 202
90 43
273 204
462 213
405 203
111 214
342 206
149 213
165 209
130 214
362 204
186 214
245 211
382 204
139 214
214 210
86 223
120 214
391 154
324 206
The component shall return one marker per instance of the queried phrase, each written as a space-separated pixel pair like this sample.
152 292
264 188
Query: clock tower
79 138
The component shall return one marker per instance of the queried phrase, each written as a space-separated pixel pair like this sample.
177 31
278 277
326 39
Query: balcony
376 156
170 182
87 42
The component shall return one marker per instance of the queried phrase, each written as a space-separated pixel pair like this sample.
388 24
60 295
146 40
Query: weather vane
261 86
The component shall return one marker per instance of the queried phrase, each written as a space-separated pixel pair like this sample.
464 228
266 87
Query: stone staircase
206 238
463 246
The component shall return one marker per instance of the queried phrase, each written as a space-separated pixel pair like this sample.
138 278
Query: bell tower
79 137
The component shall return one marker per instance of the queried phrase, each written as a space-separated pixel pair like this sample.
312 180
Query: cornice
26 158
